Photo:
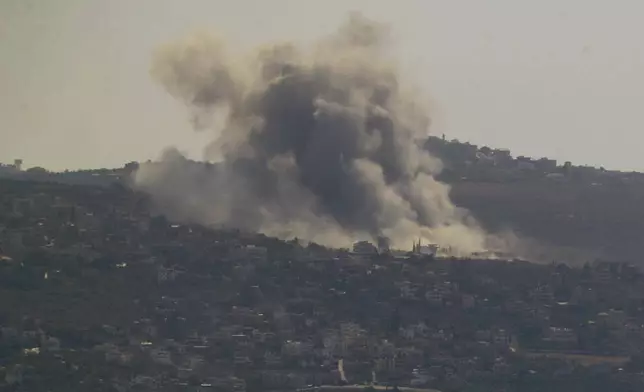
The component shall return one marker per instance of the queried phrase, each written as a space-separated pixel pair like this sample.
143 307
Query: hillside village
100 294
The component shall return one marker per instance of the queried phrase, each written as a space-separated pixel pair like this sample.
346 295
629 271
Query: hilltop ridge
570 212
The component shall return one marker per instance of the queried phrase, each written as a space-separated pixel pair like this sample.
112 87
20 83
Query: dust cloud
319 142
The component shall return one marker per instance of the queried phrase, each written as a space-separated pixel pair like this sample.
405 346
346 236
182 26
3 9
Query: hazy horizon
554 79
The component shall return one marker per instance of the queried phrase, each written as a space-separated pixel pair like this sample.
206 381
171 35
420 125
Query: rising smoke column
319 143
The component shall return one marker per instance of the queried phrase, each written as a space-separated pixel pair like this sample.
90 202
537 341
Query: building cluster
11 169
99 294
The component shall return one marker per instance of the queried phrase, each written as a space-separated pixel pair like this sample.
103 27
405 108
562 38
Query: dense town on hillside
99 294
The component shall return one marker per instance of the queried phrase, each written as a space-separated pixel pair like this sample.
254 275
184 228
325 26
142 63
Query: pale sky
556 78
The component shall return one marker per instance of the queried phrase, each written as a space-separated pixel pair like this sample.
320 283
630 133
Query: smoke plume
320 143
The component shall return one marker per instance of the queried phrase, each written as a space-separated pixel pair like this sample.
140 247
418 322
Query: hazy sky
557 78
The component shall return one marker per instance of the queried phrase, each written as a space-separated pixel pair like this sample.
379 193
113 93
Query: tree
37 170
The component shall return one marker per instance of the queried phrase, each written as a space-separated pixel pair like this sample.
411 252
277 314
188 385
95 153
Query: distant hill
579 212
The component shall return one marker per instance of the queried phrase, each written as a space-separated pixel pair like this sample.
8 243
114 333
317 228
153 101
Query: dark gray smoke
318 143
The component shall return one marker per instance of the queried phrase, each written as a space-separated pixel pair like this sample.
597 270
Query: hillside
570 213
580 211
100 294
605 221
